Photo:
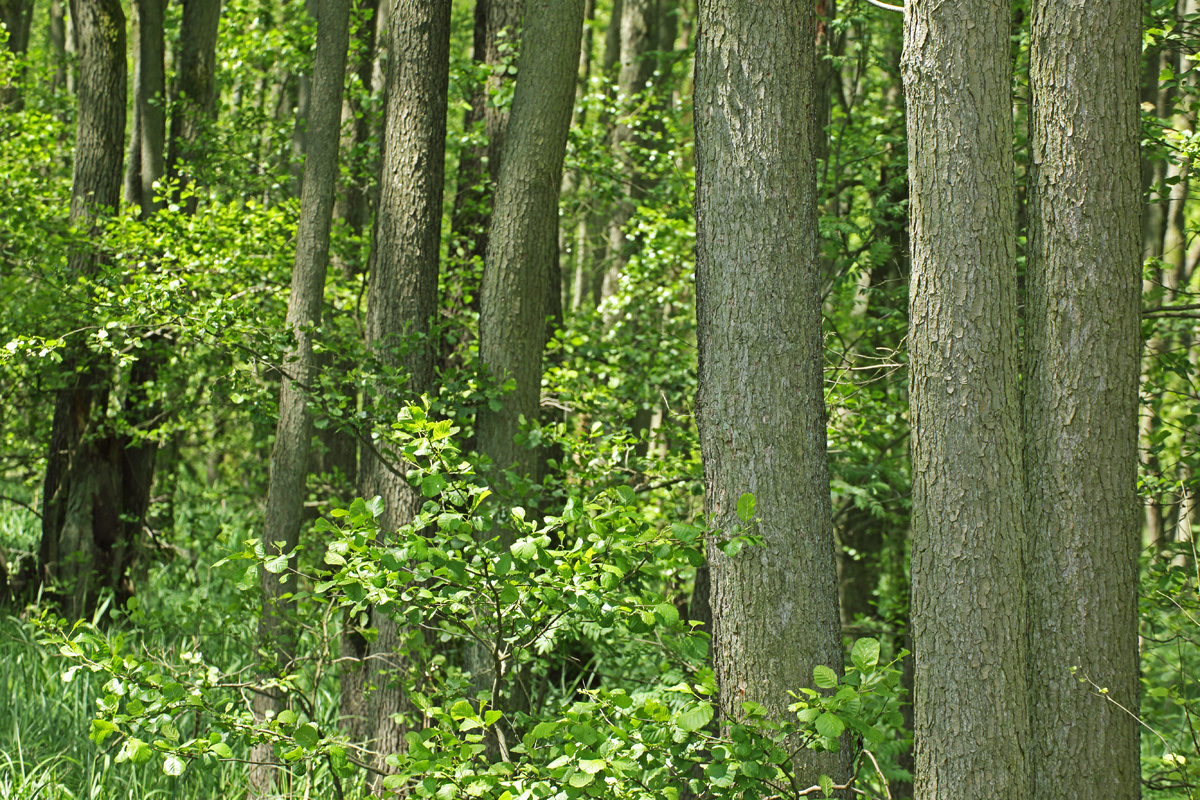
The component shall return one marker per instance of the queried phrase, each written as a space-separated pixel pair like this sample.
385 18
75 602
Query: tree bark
968 591
522 246
85 545
16 15
147 146
403 299
195 91
760 403
504 38
289 458
1081 398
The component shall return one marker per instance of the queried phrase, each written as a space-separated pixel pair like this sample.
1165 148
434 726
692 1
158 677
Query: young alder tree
1081 397
968 586
85 542
293 433
402 301
760 406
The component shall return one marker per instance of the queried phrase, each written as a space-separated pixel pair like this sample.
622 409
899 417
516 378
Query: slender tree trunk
195 92
522 245
58 43
16 16
760 403
403 299
150 96
639 36
504 38
289 459
968 591
85 545
1081 398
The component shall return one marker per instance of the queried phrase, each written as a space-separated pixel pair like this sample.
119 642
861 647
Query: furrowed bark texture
1082 368
522 245
403 293
968 595
289 458
760 405
84 541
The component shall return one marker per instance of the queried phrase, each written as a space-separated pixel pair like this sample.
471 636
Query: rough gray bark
1081 398
289 458
85 546
522 245
403 296
968 591
760 403
195 89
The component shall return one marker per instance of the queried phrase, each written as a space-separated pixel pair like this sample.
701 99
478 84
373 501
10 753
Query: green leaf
375 506
101 730
695 717
745 507
307 736
686 533
287 717
668 613
525 548
829 725
592 766
826 784
432 485
173 765
865 654
221 749
277 564
581 779
543 729
824 677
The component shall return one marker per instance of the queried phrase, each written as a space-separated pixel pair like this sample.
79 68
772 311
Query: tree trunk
195 91
1081 398
760 404
638 38
403 301
85 545
58 43
504 36
968 592
289 459
16 16
147 148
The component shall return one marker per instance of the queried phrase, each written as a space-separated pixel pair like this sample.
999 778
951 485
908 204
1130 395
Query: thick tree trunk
289 459
85 545
402 303
1081 398
760 404
968 591
522 246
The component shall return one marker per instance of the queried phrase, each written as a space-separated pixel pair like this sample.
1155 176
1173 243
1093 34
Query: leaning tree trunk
84 547
522 246
968 590
289 459
402 303
1081 398
760 404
